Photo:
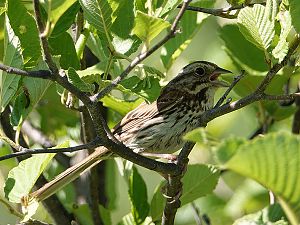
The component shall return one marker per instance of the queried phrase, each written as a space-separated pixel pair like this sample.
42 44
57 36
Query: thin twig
44 74
26 151
45 45
143 55
222 12
232 85
197 215
11 209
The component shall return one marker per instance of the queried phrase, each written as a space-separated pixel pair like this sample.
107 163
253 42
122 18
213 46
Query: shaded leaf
251 58
273 161
66 19
157 203
63 46
74 79
198 181
295 12
138 197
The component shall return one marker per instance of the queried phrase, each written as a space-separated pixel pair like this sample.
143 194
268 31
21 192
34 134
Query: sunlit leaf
257 23
273 161
148 27
21 179
282 46
24 26
12 56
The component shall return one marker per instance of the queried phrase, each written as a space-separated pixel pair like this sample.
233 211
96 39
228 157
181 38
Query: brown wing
145 112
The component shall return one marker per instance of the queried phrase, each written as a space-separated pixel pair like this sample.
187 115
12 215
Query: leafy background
233 46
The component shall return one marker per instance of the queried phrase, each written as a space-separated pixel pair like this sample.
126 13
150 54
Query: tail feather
70 174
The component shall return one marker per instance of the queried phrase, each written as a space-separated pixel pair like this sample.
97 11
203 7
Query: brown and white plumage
158 127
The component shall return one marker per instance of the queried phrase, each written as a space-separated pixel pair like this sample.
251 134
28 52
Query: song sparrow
157 127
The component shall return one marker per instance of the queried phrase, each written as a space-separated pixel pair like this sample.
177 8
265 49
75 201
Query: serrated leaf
198 181
99 14
189 25
295 12
257 23
74 79
22 178
273 161
9 82
138 197
148 27
282 46
24 26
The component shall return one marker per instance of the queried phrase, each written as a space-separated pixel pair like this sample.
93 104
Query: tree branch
222 12
44 74
25 151
144 55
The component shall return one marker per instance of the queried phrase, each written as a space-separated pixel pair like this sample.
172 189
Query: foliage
115 31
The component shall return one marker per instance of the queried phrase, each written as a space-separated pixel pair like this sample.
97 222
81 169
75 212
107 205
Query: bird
156 128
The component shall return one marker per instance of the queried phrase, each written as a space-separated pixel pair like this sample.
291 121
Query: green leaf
189 24
282 46
99 14
65 20
12 56
138 197
21 178
58 9
228 148
129 220
148 88
295 12
24 26
273 161
271 215
153 70
120 106
198 181
157 203
251 58
74 79
63 45
168 6
105 215
148 27
257 23
33 91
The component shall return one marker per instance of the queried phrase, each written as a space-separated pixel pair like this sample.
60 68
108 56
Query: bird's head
199 75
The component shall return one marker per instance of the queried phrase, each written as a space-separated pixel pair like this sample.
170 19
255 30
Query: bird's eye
200 71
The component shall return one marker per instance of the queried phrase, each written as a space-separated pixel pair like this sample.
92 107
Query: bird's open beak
214 77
